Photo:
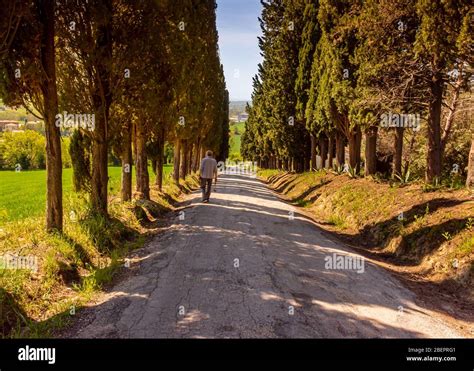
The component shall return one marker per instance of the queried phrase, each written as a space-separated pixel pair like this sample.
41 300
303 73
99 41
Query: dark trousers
206 188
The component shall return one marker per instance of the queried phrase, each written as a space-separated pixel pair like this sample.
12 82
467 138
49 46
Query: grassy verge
429 234
74 265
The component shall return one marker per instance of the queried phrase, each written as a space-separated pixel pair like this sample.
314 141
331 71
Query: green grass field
235 139
235 144
239 125
23 194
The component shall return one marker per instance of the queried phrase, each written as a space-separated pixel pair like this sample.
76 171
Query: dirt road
248 265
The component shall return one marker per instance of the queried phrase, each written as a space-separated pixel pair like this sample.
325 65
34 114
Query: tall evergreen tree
309 39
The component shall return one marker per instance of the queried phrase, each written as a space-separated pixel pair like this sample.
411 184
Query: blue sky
238 29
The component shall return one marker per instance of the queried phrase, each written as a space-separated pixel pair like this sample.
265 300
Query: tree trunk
324 150
398 153
340 150
433 163
190 158
354 149
307 163
99 168
127 164
406 166
371 150
331 151
313 152
198 157
102 98
470 166
197 151
176 160
184 159
452 111
159 160
54 191
143 180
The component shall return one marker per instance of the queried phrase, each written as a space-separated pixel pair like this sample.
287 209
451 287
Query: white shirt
208 168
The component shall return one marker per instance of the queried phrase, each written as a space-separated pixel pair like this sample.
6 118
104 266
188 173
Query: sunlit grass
23 194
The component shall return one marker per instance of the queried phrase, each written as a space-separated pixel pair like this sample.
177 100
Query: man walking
208 171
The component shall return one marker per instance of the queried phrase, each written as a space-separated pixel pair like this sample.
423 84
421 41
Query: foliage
26 149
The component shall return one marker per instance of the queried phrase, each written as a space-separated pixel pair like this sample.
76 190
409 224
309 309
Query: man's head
209 153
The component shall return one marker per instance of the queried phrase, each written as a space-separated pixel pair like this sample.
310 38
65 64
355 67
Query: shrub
28 149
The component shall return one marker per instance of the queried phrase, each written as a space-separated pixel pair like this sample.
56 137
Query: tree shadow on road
281 265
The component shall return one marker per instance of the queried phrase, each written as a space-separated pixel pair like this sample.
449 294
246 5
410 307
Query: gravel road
248 265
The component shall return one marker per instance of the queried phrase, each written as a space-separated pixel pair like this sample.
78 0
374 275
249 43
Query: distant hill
236 107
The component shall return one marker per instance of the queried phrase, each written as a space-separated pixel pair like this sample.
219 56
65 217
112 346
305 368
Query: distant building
241 117
12 127
8 125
